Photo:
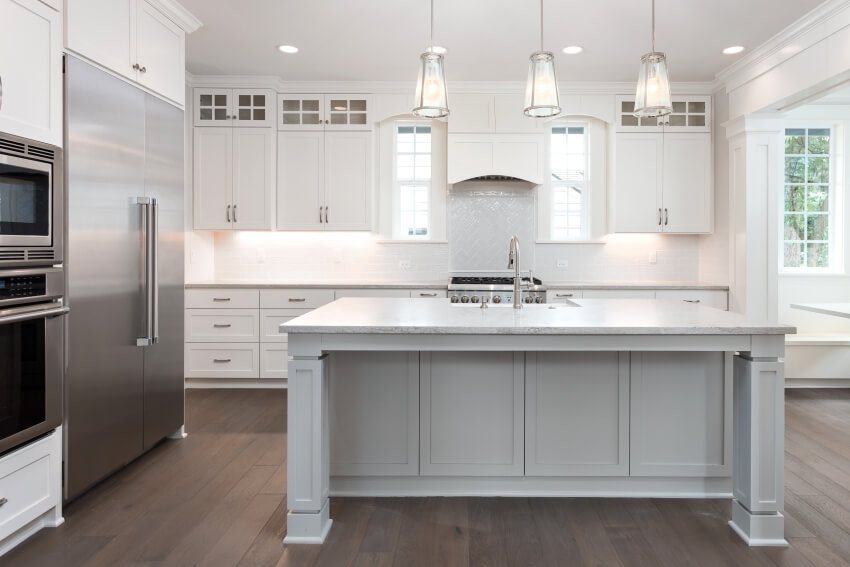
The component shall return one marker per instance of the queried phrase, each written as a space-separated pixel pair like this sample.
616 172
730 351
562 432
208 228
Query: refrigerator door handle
147 256
154 267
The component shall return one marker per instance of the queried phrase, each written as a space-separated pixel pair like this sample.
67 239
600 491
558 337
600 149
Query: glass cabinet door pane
244 100
206 100
291 105
259 100
220 100
291 118
310 105
310 118
358 105
357 118
339 118
629 120
696 107
338 105
244 114
696 120
259 114
679 107
627 106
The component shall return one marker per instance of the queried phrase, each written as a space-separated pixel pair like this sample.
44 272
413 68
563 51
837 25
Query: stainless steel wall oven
31 354
31 203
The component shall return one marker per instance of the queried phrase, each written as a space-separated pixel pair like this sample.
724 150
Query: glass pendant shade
541 91
431 96
653 88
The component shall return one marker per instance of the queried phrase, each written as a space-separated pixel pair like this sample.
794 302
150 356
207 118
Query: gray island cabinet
594 397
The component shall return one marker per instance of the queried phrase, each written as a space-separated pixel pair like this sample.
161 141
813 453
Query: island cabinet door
471 414
681 414
577 414
374 413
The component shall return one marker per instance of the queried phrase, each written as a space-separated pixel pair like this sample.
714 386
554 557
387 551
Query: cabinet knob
320 214
234 214
143 69
659 217
665 217
3 501
228 213
326 215
135 66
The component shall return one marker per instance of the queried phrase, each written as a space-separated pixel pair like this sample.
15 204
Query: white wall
714 248
322 257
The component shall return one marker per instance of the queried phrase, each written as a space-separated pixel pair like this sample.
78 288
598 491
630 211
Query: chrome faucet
513 262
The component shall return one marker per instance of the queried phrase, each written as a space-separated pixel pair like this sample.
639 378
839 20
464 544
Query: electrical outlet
562 263
404 264
653 257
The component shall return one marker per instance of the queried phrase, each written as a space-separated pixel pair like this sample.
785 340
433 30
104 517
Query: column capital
754 123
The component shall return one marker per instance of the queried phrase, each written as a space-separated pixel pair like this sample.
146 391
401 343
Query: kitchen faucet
513 262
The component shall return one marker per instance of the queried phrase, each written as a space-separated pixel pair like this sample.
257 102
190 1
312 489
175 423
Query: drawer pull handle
427 295
221 360
691 300
221 325
221 299
297 299
3 501
564 295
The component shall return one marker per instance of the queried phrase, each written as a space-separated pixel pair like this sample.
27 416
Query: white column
308 471
758 479
755 186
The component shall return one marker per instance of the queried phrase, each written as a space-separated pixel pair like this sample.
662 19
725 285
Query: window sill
816 274
399 241
570 242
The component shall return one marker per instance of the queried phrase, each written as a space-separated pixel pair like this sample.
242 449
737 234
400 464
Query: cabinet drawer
222 360
25 483
271 320
339 293
708 297
295 298
563 295
274 358
619 294
222 298
429 293
222 325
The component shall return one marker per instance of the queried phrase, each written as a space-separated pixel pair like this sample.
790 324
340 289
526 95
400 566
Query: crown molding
178 14
377 87
831 16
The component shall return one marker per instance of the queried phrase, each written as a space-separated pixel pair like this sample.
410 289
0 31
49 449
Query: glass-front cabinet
690 114
323 112
233 107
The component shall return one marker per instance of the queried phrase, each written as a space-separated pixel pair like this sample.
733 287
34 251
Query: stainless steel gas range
494 289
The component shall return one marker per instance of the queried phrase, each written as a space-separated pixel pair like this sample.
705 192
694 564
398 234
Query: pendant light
431 97
653 88
541 92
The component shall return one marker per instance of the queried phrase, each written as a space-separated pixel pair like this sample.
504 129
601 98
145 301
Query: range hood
495 158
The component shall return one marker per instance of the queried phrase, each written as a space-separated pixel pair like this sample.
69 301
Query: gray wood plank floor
218 498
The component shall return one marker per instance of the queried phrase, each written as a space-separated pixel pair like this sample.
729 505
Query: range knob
455 299
528 299
464 299
497 299
475 299
538 299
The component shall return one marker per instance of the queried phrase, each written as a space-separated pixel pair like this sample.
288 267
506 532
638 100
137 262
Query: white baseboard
602 487
235 384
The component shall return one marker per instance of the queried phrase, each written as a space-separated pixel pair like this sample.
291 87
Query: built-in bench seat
817 360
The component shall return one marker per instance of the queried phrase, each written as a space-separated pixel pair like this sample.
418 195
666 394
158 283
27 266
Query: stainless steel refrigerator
124 376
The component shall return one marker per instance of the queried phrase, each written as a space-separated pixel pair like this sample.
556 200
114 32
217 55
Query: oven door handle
30 315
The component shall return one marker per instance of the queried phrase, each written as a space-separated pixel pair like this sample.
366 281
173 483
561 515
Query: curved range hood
500 158
492 178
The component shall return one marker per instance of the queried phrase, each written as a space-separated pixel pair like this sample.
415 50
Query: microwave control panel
17 287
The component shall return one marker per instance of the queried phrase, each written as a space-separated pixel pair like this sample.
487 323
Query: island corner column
308 442
758 476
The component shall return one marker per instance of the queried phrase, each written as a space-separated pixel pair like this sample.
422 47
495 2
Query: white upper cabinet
471 114
323 112
233 178
324 181
135 39
690 114
233 107
663 183
160 53
510 118
31 70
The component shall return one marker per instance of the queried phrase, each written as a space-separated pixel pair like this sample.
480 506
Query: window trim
835 240
547 199
396 183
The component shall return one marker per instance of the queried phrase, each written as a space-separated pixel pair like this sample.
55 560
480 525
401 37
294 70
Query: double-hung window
413 181
808 228
569 181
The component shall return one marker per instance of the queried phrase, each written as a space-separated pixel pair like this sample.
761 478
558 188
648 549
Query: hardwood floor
217 498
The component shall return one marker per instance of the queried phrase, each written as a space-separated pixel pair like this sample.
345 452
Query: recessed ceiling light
438 49
734 50
573 49
288 49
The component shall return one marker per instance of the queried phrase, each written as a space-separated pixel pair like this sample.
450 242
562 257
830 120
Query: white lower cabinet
31 488
577 414
222 360
374 413
563 295
707 297
618 294
471 414
222 325
681 406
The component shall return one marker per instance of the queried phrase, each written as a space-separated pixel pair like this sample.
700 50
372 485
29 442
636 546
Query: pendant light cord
653 26
431 47
541 24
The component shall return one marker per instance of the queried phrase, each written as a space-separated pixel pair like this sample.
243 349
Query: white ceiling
488 40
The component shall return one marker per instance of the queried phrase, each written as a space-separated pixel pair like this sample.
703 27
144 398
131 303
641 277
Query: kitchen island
625 398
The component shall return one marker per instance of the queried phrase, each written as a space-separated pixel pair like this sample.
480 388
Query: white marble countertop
442 284
581 317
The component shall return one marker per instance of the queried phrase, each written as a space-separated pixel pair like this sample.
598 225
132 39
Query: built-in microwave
31 203
32 342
